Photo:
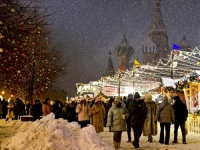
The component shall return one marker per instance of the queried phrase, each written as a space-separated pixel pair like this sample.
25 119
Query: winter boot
115 144
150 139
118 145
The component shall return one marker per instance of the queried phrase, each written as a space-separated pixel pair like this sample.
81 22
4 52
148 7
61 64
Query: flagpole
174 48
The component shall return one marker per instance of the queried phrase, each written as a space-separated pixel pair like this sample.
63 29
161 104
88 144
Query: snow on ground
57 134
49 134
193 141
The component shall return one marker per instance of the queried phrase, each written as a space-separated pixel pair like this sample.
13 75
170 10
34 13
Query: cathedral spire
110 70
157 32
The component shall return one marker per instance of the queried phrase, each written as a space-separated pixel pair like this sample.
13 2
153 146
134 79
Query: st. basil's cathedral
155 47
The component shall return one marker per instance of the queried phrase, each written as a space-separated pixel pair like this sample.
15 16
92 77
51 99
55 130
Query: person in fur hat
98 116
150 128
117 115
165 115
138 111
83 110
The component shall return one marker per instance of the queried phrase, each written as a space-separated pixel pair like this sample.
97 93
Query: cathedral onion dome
184 43
124 48
149 47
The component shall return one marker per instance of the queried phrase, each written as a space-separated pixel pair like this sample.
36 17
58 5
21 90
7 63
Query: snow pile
50 134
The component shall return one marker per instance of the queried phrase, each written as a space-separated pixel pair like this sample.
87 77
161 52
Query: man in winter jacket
138 112
181 114
117 115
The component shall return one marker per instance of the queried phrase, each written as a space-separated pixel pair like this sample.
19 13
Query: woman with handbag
165 115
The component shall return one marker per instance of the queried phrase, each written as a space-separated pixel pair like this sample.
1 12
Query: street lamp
3 92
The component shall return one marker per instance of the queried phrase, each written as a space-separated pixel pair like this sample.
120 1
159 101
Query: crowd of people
136 113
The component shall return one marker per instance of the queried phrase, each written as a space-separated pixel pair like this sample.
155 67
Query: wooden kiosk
192 96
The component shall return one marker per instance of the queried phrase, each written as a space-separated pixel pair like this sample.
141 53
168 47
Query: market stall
191 87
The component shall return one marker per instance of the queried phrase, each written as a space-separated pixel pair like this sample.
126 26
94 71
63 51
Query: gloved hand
155 122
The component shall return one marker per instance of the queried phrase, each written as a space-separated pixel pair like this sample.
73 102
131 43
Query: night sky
86 30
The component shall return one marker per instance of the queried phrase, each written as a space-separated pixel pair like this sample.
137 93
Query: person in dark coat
4 108
128 120
57 110
72 111
138 112
181 114
65 111
37 109
18 109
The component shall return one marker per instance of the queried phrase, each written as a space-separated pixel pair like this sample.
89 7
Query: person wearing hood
116 120
138 111
165 115
37 109
181 114
83 110
98 116
150 128
46 108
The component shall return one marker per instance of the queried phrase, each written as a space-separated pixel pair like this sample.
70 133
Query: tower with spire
110 70
124 51
158 34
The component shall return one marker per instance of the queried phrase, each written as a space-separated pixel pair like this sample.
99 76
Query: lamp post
120 74
172 65
119 84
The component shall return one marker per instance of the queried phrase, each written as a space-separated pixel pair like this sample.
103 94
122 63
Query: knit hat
130 95
148 97
137 95
117 99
